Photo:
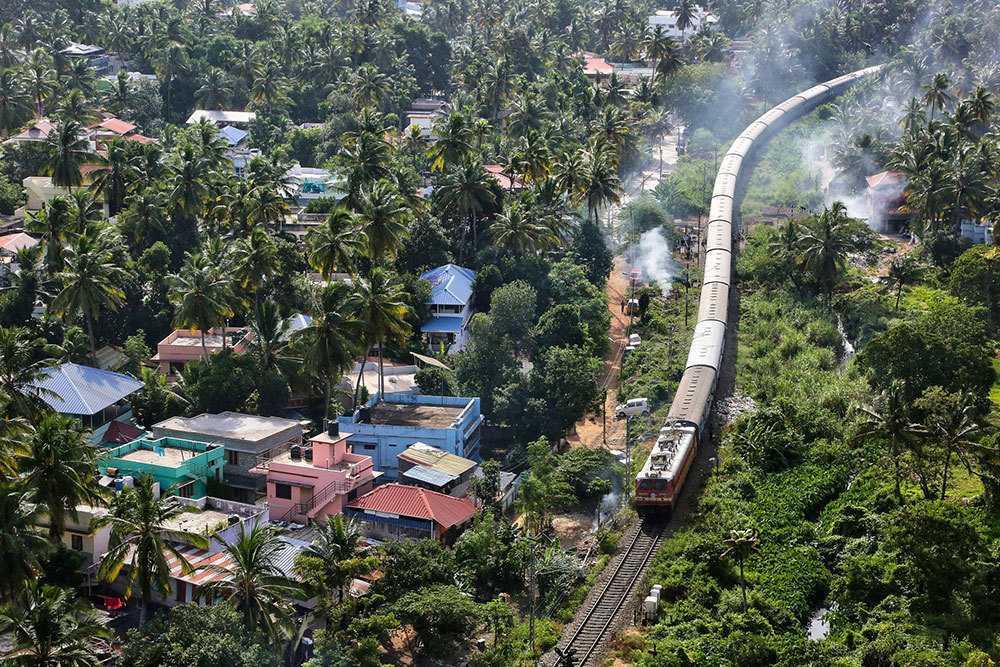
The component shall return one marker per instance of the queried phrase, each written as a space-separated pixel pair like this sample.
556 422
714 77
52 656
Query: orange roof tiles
415 502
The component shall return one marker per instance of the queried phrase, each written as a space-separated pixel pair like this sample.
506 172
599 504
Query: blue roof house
97 397
384 429
450 306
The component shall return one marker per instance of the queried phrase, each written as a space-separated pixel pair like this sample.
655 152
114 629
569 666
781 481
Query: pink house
316 479
182 346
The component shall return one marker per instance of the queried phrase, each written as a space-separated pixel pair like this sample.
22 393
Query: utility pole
531 594
628 456
604 418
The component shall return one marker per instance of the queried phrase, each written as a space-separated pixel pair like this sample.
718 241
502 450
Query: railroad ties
587 643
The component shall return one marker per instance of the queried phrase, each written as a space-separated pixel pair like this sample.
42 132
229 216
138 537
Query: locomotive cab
659 481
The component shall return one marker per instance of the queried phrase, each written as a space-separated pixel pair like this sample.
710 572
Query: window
661 484
646 485
181 591
283 491
369 447
232 457
186 490
352 494
77 542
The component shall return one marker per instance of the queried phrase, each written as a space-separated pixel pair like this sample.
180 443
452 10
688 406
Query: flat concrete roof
172 456
287 459
203 522
211 340
411 414
232 425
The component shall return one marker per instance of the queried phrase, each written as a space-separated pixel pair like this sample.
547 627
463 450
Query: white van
633 406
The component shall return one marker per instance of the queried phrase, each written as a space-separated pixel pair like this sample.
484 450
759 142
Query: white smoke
656 259
817 161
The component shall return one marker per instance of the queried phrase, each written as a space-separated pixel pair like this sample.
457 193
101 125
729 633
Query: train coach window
661 484
646 484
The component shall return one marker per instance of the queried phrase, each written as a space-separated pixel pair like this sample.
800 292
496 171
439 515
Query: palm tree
21 543
377 303
889 420
22 365
825 243
741 544
42 80
385 216
466 192
328 344
670 59
255 260
454 144
58 468
334 245
85 212
50 626
145 213
902 271
332 560
954 428
203 296
141 539
111 179
369 87
15 104
52 225
215 90
518 232
914 117
68 151
268 88
169 61
600 183
270 332
686 12
188 176
265 206
89 283
253 582
936 95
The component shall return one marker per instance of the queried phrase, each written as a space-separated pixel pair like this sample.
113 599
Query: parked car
632 307
631 407
635 277
634 340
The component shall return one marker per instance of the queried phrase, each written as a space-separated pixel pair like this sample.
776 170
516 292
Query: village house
247 439
423 113
186 466
450 306
182 346
668 20
383 429
315 480
398 512
886 199
220 118
94 396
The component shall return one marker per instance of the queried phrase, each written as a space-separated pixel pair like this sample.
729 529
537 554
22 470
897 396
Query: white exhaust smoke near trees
656 259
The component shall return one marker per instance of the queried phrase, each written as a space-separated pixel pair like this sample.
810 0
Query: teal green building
186 464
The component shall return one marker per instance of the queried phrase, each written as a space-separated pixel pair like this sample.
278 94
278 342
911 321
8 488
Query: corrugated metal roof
443 324
411 501
428 475
71 389
450 285
438 459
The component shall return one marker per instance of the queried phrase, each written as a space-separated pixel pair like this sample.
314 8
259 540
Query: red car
635 278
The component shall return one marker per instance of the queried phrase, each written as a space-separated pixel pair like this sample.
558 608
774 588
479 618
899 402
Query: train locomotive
687 426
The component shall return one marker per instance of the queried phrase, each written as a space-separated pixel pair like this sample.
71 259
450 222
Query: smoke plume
656 259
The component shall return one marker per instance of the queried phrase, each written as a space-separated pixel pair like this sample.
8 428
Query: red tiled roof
594 65
502 178
121 432
884 178
116 125
14 242
141 139
415 502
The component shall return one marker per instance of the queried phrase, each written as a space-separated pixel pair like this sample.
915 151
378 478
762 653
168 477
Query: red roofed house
886 196
398 512
9 245
504 179
594 67
108 129
37 131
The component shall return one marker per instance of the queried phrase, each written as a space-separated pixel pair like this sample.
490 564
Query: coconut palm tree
741 544
254 583
825 243
15 103
203 296
270 332
168 61
334 245
888 419
936 94
22 364
686 12
215 91
112 177
466 192
42 80
67 151
145 213
21 543
268 87
58 468
377 303
369 87
332 559
255 261
265 206
384 216
953 427
329 343
50 626
141 540
52 226
600 184
517 231
89 282
454 144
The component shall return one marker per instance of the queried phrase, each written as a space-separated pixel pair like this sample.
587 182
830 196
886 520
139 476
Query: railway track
586 643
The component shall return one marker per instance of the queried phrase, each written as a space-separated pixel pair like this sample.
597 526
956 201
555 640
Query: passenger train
660 481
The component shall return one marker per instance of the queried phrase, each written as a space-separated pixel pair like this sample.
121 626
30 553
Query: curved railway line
659 484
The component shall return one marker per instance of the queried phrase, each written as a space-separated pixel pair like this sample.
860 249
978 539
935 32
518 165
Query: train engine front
661 478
